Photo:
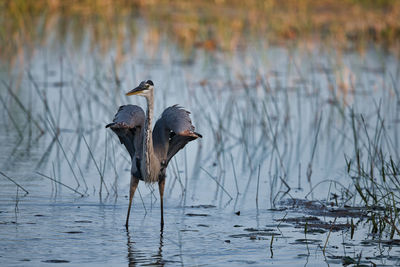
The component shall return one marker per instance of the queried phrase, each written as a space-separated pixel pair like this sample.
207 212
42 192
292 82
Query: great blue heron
151 151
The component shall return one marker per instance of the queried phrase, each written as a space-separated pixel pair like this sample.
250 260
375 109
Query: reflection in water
136 257
158 256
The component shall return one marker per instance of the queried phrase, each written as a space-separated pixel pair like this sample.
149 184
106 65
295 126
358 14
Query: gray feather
172 132
129 116
177 119
176 143
128 124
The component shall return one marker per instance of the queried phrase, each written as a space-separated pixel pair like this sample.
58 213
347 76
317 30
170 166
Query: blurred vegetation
210 24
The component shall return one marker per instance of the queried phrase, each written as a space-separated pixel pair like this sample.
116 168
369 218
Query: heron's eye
150 82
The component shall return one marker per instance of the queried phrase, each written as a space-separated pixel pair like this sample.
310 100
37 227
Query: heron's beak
135 91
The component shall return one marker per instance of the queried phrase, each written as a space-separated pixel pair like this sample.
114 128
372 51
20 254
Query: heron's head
144 89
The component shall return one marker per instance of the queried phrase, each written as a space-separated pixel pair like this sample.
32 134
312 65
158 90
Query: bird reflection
136 257
158 256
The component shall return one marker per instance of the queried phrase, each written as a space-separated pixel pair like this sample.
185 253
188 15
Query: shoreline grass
208 25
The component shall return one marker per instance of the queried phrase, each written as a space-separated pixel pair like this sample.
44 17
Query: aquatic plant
376 176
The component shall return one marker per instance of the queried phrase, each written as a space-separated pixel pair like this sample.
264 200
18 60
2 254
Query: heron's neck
148 152
149 118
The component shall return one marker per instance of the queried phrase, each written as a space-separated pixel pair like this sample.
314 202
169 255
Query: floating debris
306 241
258 230
56 261
196 214
388 242
204 206
314 224
255 233
83 221
317 208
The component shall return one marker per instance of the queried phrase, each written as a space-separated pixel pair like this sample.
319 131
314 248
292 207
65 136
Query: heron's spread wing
128 116
178 121
128 124
173 131
178 142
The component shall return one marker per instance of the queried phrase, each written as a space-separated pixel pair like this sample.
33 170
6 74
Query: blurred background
224 26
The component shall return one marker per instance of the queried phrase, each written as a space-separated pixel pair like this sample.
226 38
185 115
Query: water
276 125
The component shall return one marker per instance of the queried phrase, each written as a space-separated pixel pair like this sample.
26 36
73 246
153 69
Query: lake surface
276 125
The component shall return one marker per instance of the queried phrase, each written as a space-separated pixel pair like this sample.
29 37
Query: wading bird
151 150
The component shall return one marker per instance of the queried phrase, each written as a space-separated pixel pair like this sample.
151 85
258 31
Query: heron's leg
134 184
161 185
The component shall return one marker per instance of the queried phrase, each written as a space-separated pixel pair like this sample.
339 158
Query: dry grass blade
329 234
215 180
58 182
11 118
14 182
97 167
28 113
